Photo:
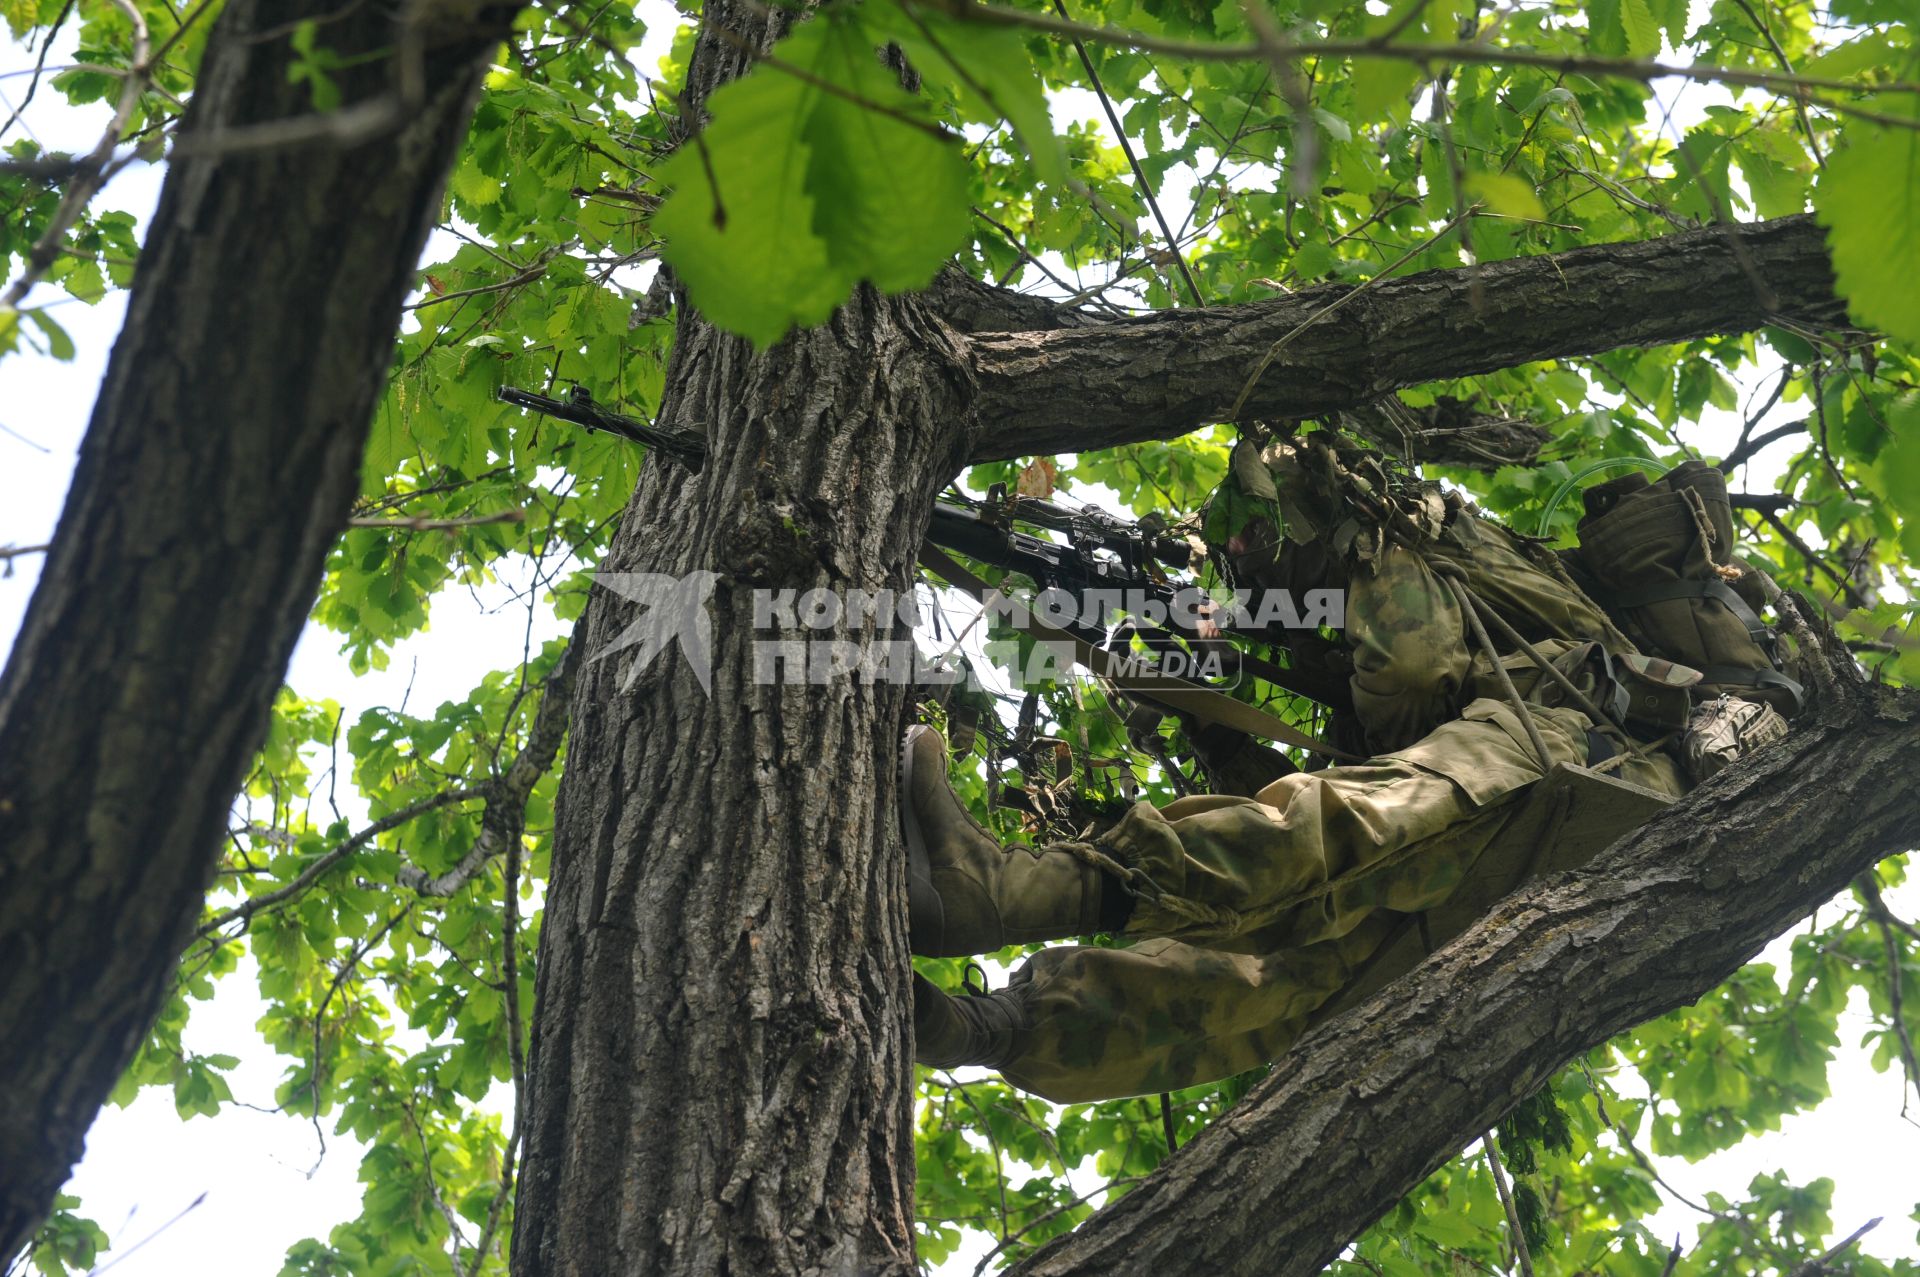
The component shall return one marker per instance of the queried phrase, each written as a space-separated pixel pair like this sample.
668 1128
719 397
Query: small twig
1653 1172
1278 52
39 65
16 551
1055 1213
256 904
1870 888
1815 1267
1750 445
1266 360
1780 56
1133 161
1521 1253
526 275
1457 176
1760 501
504 821
183 1212
347 968
1815 559
510 977
442 525
93 171
457 1237
999 1160
1400 24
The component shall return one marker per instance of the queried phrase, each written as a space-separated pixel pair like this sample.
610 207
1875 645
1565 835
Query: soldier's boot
976 1029
966 893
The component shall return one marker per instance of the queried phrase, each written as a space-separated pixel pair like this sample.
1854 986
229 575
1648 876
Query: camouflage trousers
1260 912
1257 913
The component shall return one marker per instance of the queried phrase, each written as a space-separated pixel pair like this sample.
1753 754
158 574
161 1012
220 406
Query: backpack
1658 556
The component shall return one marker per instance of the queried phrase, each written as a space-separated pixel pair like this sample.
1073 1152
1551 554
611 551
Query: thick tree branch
975 306
1160 375
1450 432
1360 1111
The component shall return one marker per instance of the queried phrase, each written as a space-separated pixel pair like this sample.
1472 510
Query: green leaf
1313 260
1505 193
1381 87
59 345
1642 31
473 186
808 180
1767 162
1897 467
1605 35
739 232
890 192
1869 200
988 71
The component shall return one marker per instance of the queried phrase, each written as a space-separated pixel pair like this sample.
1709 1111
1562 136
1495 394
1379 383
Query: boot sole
926 916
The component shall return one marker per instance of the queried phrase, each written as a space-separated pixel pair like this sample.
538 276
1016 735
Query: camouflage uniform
1257 913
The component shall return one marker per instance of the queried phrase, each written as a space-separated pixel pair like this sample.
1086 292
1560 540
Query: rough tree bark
721 1051
223 452
1164 373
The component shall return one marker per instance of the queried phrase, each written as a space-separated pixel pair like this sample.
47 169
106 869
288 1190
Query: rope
1600 721
1500 672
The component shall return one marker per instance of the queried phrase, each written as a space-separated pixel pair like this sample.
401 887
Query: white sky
144 1166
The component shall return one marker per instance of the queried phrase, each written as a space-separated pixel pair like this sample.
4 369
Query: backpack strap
1665 591
1757 678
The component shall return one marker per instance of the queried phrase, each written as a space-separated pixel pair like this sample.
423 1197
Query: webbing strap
1756 678
1757 630
1688 589
1175 694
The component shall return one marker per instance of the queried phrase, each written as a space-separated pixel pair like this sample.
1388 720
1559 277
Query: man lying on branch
1482 663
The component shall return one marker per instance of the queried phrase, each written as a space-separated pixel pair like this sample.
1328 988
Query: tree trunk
721 1065
1360 1112
223 452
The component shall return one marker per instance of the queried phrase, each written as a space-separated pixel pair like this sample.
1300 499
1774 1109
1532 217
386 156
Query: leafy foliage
881 139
